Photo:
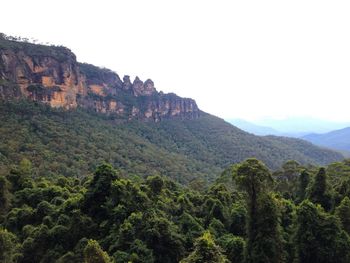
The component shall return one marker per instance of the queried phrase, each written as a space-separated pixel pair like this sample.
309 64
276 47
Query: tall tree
319 237
205 250
287 219
343 213
93 253
9 247
4 195
287 179
303 182
262 229
265 244
234 247
320 191
99 189
253 177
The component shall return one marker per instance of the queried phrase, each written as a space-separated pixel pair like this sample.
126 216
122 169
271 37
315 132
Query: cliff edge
52 75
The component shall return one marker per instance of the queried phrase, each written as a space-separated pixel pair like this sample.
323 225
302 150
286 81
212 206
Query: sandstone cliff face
52 75
170 105
43 78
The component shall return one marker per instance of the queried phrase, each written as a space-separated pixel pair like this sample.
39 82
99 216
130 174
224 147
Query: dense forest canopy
250 214
73 143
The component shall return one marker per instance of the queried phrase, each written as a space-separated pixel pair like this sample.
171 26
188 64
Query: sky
238 59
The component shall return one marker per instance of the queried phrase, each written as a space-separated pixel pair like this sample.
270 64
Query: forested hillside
294 215
73 143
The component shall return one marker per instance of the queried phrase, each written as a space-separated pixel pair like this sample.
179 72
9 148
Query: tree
320 191
99 189
205 250
25 167
253 177
234 247
191 227
319 237
20 177
156 183
303 182
287 219
9 247
343 213
287 178
239 218
264 242
140 253
93 253
4 195
262 228
162 236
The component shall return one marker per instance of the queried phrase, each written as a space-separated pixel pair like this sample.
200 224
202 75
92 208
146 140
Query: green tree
156 183
4 195
99 189
319 237
303 182
320 191
287 219
9 247
25 167
93 253
262 229
234 247
162 236
343 213
253 177
140 253
205 250
264 242
239 218
287 178
190 227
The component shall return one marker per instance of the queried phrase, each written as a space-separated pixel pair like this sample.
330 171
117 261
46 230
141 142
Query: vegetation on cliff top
60 53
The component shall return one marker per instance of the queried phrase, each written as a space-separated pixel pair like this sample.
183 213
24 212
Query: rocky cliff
52 75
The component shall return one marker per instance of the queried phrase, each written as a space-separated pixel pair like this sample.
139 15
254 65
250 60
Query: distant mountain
338 139
253 128
300 126
295 128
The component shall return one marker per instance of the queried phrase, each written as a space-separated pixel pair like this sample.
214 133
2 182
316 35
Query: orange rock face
60 81
97 89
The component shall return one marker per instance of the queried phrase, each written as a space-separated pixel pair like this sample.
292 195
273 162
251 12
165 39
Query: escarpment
52 75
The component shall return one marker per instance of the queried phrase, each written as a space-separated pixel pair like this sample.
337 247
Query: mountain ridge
253 128
337 139
92 116
53 76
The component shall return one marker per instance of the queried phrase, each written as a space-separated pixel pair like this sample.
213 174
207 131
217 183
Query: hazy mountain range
338 139
292 127
332 135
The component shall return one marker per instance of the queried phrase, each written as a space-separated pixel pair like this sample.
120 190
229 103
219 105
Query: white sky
237 59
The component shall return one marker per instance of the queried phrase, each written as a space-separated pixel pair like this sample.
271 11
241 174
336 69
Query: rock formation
52 75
